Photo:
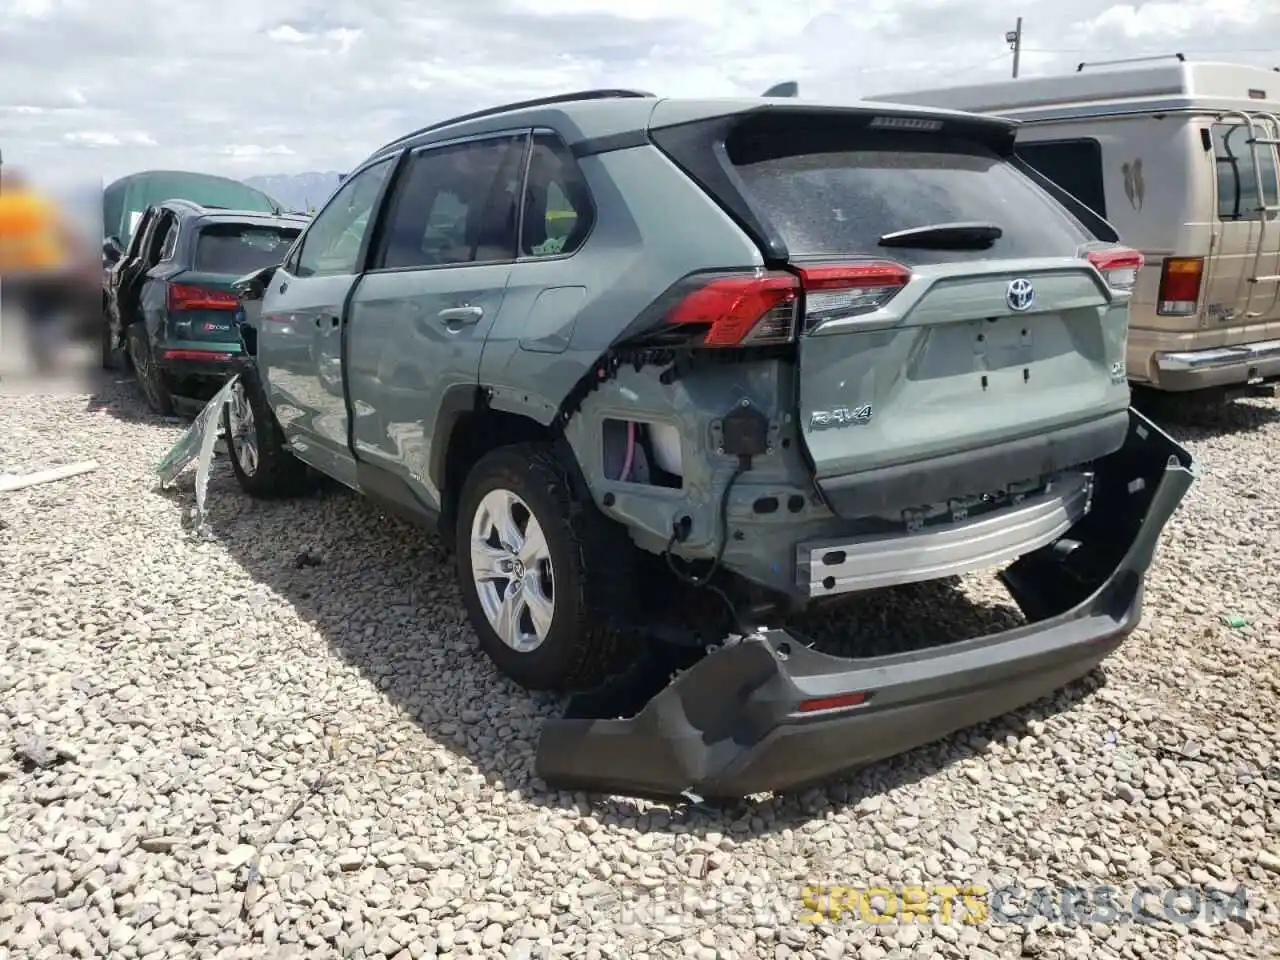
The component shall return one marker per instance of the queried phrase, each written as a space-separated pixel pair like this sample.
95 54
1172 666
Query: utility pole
1014 39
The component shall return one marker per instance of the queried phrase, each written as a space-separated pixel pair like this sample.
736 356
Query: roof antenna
788 88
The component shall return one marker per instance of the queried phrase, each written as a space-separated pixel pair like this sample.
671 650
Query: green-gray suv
629 353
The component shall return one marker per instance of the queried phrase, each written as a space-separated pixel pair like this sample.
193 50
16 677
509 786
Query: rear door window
1237 173
836 196
455 204
240 248
558 213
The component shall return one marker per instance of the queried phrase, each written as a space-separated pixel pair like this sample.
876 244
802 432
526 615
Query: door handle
463 315
319 321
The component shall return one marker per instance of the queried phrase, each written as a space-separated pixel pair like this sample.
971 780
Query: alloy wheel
512 569
244 434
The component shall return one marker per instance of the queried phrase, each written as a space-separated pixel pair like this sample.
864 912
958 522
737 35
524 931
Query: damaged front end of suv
767 712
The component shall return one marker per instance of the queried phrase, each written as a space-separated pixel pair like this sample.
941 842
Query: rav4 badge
840 417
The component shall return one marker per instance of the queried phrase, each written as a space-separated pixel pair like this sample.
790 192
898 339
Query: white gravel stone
211 749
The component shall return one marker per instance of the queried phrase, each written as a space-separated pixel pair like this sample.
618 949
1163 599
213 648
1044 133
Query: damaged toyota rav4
620 349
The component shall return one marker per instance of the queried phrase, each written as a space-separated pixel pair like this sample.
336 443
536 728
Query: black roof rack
1110 63
602 94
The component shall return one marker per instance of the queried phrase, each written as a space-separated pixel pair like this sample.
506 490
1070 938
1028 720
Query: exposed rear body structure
1181 158
613 347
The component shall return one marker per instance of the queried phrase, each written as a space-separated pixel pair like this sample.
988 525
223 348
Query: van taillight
1180 286
183 296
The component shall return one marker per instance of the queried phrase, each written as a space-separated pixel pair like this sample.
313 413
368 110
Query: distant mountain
297 191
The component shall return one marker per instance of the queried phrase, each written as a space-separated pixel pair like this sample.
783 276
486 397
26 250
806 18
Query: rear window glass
839 198
1238 175
241 248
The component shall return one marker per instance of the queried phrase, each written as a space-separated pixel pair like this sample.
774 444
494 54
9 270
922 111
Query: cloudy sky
105 87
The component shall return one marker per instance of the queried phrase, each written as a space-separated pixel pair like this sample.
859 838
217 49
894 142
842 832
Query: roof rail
602 94
1108 63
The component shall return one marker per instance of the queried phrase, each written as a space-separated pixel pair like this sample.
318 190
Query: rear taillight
764 308
749 310
183 296
849 290
1180 279
1119 266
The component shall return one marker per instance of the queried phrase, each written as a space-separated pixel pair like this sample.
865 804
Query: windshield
237 248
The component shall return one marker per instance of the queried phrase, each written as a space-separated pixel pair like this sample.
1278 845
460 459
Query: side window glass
558 212
1074 165
170 241
156 236
1237 175
331 246
456 204
138 237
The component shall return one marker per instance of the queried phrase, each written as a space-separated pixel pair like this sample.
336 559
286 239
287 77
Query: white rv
1181 158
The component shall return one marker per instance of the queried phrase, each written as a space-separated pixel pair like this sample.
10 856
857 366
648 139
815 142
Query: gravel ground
282 742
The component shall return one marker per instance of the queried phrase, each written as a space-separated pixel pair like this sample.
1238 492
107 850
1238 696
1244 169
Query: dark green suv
168 300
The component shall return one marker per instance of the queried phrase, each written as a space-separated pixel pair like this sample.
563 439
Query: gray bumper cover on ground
732 725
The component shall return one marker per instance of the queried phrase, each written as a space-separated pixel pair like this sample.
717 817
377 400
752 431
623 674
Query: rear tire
150 377
260 458
546 633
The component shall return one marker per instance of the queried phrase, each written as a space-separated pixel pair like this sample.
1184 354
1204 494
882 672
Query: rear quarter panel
653 226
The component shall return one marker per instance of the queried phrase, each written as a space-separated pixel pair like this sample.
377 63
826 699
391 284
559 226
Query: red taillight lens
748 310
837 292
186 297
197 355
1119 266
1180 279
837 702
757 309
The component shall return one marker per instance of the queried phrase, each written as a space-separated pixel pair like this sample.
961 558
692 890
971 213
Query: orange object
31 237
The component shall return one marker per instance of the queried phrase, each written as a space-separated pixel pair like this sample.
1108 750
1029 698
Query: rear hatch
955 338
202 306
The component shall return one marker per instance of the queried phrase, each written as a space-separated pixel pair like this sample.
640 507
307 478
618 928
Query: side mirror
111 251
253 286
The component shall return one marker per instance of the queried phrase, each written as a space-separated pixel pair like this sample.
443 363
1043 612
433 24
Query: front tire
260 458
529 566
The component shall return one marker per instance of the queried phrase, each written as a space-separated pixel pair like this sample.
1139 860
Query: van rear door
1236 283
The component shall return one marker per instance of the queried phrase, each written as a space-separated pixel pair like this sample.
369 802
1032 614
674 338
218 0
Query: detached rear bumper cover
732 725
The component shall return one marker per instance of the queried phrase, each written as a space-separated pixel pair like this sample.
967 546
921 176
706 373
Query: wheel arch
468 427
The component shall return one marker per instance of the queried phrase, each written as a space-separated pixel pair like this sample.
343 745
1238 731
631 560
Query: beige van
1181 158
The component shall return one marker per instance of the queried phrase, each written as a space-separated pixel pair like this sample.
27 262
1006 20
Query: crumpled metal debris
197 444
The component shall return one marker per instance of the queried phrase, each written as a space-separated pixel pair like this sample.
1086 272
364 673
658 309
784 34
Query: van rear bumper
1185 370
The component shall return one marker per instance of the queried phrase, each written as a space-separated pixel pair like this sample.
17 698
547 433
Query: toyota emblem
1020 295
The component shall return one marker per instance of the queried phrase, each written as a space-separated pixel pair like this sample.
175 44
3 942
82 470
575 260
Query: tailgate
955 339
202 308
948 366
224 250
